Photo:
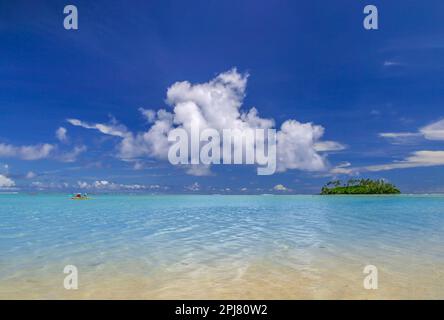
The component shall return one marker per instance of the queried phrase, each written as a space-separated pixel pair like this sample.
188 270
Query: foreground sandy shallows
255 281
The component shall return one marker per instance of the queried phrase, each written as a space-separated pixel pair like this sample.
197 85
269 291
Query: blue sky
378 94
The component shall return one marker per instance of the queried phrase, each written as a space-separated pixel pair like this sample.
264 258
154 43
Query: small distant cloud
83 185
106 185
4 168
112 129
193 187
417 159
199 170
32 152
280 187
423 158
138 165
396 135
433 131
71 156
343 168
61 134
150 115
323 146
30 175
391 63
406 120
49 185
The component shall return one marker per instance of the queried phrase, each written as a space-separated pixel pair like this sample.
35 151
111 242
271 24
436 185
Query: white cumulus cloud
217 104
6 182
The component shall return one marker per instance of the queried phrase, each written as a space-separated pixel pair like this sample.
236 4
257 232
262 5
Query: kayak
80 196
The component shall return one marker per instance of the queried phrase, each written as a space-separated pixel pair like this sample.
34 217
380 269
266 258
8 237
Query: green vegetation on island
359 186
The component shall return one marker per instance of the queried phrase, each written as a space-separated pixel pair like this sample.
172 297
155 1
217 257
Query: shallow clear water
222 246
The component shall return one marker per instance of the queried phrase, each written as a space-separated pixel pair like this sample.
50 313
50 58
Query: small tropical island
359 186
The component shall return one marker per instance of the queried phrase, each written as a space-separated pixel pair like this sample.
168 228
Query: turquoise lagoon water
221 246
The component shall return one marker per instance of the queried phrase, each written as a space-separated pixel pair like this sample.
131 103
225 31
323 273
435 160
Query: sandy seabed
259 280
